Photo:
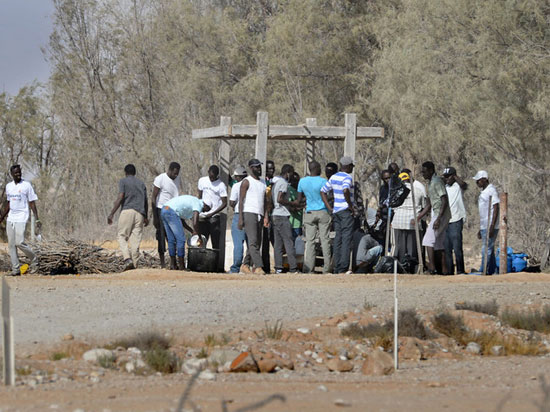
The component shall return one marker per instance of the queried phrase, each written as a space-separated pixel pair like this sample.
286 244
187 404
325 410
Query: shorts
433 238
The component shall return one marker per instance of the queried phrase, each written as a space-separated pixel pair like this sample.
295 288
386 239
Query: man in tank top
252 216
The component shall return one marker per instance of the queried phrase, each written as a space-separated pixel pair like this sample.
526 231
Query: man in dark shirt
132 199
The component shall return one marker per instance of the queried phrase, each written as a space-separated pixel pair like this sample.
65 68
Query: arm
117 204
232 203
347 196
195 223
444 206
146 209
424 211
496 211
463 185
242 197
154 206
219 209
32 205
326 202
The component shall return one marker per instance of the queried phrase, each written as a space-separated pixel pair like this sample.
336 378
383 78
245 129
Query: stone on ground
377 363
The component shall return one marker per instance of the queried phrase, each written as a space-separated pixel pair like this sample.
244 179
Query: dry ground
98 308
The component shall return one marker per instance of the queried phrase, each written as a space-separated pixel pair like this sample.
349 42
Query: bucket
202 259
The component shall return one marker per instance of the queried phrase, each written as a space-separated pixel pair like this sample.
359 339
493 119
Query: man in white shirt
213 192
488 219
455 187
238 235
20 196
165 187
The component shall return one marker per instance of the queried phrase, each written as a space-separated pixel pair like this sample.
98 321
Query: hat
404 176
254 162
346 160
449 171
480 175
240 171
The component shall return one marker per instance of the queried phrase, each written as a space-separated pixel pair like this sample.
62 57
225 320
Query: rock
245 362
339 365
322 388
94 354
343 354
68 336
341 402
192 366
342 325
410 349
377 363
130 367
474 348
220 356
308 353
207 375
134 351
497 350
304 331
267 365
140 364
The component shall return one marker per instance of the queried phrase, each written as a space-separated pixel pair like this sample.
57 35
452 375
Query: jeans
370 255
296 231
283 241
453 242
343 226
174 232
239 238
492 265
16 240
317 221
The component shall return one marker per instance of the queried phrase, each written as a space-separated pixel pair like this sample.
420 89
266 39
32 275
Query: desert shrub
271 332
367 306
144 341
410 324
107 362
162 360
58 356
23 371
203 354
452 326
213 340
534 320
490 308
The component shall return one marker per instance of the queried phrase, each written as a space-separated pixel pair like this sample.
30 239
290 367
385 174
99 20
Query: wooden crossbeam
286 132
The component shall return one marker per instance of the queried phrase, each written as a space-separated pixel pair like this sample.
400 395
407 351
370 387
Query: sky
25 26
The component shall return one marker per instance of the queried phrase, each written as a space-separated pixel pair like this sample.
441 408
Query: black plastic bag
385 265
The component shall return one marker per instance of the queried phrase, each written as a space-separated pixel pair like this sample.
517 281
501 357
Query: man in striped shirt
341 185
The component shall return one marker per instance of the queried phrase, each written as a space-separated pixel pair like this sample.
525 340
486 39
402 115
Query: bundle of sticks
73 256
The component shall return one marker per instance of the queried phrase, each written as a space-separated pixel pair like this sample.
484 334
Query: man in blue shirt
172 215
341 185
316 218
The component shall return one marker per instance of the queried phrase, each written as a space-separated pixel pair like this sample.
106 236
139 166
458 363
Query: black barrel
202 260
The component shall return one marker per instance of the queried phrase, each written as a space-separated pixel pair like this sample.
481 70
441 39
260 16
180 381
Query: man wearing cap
403 219
489 208
438 203
252 216
213 192
20 197
172 215
455 187
238 235
341 185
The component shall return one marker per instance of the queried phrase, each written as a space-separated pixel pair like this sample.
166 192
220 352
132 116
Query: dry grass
410 324
106 362
162 360
490 308
212 340
534 320
144 341
451 326
58 356
274 332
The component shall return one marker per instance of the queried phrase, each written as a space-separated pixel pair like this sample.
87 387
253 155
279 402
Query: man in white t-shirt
213 192
20 196
488 219
165 187
455 187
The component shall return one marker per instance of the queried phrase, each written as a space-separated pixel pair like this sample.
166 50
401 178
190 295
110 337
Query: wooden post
310 145
225 173
7 336
486 257
262 125
351 134
503 243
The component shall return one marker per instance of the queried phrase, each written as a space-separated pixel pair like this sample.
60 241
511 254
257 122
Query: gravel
102 307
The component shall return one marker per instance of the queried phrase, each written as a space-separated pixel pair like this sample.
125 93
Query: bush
410 324
144 341
490 308
271 332
162 360
451 326
535 320
58 356
213 340
107 362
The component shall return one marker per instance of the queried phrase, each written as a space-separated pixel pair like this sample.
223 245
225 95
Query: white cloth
255 196
456 202
212 192
483 205
19 195
234 196
405 213
168 189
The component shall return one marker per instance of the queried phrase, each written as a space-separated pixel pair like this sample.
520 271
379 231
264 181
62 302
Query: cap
240 171
346 160
480 175
254 162
449 171
404 176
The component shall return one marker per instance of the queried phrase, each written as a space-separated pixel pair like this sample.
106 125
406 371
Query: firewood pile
70 256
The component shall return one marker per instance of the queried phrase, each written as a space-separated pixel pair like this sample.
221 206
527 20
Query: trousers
16 240
130 232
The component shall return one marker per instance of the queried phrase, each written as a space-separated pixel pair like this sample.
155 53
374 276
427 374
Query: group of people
273 211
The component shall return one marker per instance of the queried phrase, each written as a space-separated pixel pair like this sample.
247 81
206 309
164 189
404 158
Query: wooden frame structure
262 131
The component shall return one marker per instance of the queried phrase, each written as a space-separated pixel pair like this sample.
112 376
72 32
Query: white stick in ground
395 316
7 335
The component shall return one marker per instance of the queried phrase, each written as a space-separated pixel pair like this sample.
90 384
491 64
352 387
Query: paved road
100 307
